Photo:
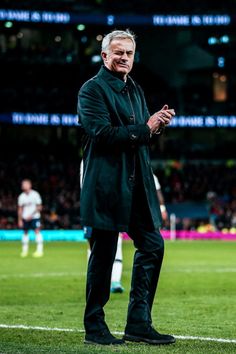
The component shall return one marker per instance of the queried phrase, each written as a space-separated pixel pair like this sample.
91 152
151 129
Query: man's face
26 186
120 56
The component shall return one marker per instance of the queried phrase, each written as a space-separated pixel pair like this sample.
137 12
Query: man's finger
166 114
161 119
172 112
165 107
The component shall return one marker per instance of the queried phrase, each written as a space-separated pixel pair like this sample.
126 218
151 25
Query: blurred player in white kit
29 208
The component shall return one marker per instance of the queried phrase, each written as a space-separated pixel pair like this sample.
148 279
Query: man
118 191
29 208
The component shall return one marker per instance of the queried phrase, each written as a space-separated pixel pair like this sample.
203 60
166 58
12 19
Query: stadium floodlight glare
81 27
57 39
69 58
84 39
221 62
110 20
20 35
8 24
224 39
212 40
99 37
96 59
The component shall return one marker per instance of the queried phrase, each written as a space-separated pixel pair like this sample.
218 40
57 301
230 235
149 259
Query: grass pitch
196 297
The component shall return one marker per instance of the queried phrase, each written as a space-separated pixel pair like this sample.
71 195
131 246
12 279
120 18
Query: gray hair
117 35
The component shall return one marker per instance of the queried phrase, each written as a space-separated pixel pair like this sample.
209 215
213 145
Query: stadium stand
193 191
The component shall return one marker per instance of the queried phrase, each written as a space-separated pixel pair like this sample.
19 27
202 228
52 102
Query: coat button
133 137
131 178
131 118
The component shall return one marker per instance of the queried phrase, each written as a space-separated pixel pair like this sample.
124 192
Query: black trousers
146 269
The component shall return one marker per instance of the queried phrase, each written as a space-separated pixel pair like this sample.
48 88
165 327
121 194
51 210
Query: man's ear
104 56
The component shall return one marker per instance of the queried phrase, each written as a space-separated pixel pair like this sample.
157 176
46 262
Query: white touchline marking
39 328
74 330
203 270
41 275
209 339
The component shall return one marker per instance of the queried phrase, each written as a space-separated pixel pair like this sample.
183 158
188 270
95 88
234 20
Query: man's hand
160 119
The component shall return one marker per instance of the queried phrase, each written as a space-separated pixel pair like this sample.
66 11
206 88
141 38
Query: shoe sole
137 339
96 343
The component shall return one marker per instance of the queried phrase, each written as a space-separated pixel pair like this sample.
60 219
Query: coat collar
112 79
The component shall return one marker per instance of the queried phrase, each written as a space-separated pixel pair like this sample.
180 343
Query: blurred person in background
29 208
116 275
116 286
161 199
118 191
215 210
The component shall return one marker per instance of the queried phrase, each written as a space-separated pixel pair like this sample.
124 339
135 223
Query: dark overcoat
113 115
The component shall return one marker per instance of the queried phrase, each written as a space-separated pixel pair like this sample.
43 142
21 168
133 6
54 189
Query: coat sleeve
95 118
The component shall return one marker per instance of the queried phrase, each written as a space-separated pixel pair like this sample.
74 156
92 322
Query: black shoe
150 336
103 338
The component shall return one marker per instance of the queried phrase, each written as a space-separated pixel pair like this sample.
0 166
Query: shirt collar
113 79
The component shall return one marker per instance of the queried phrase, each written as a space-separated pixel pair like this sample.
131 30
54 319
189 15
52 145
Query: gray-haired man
118 191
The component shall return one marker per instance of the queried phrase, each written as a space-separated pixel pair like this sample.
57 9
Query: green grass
196 297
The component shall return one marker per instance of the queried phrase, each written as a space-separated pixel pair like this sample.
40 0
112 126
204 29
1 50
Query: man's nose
124 56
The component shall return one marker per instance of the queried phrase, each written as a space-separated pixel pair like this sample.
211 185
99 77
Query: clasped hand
160 119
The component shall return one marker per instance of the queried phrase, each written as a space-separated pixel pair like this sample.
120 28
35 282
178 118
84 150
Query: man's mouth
124 65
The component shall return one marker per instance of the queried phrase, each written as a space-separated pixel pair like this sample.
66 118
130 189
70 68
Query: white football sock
25 243
39 241
117 271
118 265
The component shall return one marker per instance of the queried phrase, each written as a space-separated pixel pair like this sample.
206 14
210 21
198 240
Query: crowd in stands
213 183
57 180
